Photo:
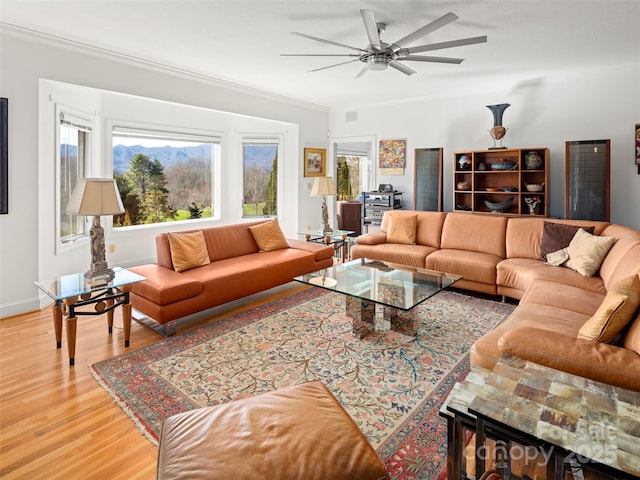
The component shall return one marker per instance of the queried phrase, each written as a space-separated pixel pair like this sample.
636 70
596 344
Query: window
163 177
75 147
260 183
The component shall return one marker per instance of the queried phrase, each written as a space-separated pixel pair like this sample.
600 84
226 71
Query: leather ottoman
299 432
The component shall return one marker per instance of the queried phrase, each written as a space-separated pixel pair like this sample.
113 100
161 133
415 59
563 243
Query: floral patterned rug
391 384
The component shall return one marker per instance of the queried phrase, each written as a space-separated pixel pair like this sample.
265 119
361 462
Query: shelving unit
485 182
375 204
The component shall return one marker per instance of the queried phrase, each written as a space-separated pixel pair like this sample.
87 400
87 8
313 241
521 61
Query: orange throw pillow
614 313
269 236
402 229
188 250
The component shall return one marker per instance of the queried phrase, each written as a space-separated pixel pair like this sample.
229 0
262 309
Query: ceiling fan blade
426 58
371 27
449 44
331 66
363 71
401 68
320 55
427 29
317 39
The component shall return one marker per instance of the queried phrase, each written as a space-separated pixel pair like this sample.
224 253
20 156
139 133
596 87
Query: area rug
391 384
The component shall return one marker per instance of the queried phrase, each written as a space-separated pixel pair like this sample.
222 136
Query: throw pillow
556 236
614 313
586 252
269 236
402 229
557 258
188 250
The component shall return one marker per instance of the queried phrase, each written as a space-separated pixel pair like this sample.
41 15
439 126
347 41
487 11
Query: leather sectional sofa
502 255
232 262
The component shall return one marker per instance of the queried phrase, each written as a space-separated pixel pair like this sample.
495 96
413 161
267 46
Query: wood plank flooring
56 422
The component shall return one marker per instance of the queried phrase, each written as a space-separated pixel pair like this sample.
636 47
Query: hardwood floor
56 422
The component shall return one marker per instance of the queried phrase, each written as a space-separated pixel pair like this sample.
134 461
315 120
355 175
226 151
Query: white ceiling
241 41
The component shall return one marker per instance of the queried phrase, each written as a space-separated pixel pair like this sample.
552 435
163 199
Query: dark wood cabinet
587 180
427 186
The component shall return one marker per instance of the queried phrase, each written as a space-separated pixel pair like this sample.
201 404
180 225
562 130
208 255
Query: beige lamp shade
323 186
95 196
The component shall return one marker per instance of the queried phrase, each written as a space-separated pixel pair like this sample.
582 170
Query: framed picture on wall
392 156
4 155
315 162
638 146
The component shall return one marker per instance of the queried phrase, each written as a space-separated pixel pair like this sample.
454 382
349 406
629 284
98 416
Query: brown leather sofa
349 214
501 255
237 268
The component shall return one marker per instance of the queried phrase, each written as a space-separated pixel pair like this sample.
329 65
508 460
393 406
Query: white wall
543 113
24 60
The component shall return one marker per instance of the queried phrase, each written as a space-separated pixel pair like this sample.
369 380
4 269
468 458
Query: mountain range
168 155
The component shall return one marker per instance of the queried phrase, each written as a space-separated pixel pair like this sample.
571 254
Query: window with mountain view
163 177
260 159
75 137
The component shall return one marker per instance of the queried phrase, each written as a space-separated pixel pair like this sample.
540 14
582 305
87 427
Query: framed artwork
4 155
392 156
638 146
315 162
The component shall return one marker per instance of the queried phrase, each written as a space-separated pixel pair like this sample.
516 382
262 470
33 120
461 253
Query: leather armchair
349 213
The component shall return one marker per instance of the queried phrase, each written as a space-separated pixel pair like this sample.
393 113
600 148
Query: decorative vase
464 185
532 161
498 131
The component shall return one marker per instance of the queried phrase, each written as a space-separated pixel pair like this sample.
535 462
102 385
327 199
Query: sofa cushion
410 255
402 229
614 313
632 340
586 252
474 233
188 250
556 236
269 236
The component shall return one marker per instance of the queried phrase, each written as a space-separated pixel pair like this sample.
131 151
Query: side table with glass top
72 291
339 239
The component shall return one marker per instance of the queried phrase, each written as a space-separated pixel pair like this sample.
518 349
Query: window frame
87 123
141 130
267 139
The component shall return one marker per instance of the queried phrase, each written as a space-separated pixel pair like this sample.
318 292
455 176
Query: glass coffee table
377 291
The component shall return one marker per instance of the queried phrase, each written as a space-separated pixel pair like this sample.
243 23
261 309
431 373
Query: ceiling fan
379 55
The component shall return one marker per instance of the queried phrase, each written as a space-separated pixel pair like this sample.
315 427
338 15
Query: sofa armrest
598 361
372 238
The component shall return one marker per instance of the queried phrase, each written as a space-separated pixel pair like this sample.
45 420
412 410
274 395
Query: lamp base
99 272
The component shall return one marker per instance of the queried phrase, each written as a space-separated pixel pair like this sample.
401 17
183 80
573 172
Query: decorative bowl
509 189
503 165
464 185
498 206
492 189
534 187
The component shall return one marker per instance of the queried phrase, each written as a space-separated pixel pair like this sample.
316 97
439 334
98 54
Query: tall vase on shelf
498 131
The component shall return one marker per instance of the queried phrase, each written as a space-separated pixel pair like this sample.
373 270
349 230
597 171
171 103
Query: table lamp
324 186
96 196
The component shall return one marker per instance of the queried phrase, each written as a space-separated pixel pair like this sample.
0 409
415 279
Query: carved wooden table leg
126 314
72 322
57 323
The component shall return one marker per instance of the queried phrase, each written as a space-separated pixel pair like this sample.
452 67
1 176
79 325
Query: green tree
139 173
271 195
344 182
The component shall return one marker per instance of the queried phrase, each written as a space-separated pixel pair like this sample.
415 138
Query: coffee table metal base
365 315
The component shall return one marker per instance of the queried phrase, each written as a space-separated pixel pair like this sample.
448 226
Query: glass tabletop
334 234
77 284
396 286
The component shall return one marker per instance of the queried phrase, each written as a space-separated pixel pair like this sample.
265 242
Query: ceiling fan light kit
379 55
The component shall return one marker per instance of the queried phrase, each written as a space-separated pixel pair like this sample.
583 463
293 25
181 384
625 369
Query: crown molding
85 48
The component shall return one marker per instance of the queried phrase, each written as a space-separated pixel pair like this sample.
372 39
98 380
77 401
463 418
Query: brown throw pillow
556 236
402 229
269 236
614 313
188 250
